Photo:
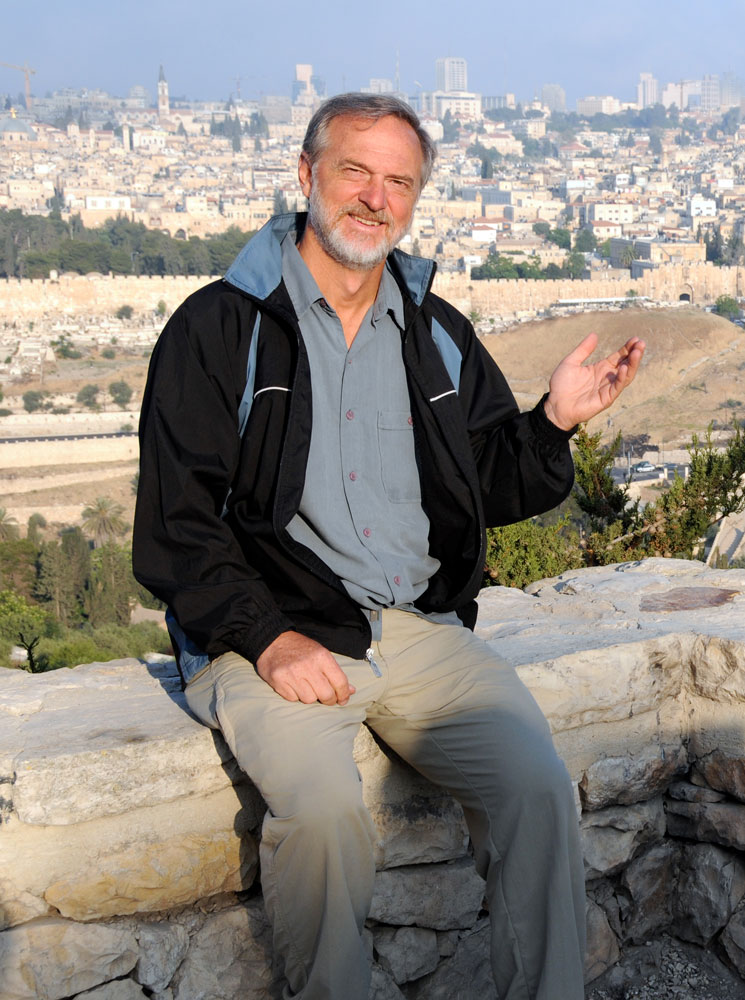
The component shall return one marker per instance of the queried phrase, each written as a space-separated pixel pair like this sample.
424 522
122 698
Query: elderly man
323 442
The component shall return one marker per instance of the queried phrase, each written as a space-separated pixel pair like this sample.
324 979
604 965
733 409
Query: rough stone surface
115 802
49 959
464 976
162 949
733 939
649 884
686 791
438 896
612 836
382 986
120 989
602 946
229 957
407 952
710 885
711 822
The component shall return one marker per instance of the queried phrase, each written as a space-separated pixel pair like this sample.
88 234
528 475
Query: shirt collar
304 292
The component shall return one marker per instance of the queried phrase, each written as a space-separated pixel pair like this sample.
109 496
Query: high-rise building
710 99
554 97
647 91
451 74
164 103
302 85
731 90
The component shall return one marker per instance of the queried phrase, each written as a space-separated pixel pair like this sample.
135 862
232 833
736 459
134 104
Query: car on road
643 467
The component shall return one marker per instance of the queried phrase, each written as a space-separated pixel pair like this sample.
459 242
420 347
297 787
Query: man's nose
373 194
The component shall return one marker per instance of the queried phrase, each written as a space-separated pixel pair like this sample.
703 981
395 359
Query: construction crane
27 73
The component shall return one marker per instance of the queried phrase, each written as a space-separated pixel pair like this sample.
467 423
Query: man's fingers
583 350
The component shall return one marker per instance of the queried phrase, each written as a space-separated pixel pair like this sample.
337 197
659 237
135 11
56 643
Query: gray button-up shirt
361 507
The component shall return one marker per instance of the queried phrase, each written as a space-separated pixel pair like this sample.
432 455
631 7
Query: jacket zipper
370 657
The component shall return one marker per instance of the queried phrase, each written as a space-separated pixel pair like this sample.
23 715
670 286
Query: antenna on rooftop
398 74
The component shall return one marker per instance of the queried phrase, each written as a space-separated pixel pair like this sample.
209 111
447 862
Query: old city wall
101 295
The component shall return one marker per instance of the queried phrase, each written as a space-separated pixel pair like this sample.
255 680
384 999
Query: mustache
354 208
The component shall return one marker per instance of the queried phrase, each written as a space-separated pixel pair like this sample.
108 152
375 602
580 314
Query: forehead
389 143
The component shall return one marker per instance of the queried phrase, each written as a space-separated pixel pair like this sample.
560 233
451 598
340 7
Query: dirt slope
694 365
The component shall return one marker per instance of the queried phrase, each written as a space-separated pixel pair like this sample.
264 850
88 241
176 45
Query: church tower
164 105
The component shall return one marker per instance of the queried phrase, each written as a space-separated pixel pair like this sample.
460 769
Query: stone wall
128 839
22 301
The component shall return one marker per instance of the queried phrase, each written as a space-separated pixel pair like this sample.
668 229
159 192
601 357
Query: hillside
694 367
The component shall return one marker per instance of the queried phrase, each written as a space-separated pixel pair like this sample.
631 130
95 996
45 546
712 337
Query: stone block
633 777
441 897
710 886
708 822
49 959
163 946
611 837
406 952
229 957
733 940
156 859
382 986
687 791
464 976
721 769
649 883
602 946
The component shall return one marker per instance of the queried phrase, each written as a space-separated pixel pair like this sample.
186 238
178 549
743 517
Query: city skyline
506 48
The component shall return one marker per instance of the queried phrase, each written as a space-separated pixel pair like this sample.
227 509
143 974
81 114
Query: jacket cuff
544 428
250 644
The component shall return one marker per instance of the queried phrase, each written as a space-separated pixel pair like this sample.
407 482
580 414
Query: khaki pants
458 714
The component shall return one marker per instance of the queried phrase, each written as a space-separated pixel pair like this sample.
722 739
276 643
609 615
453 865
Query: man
323 441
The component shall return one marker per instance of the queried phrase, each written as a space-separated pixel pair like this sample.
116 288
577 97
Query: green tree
574 264
561 237
727 306
111 589
518 554
35 522
541 228
124 312
18 558
585 241
121 393
103 520
88 396
64 572
8 526
33 400
23 624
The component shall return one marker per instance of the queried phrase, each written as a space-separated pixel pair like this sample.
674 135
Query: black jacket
213 503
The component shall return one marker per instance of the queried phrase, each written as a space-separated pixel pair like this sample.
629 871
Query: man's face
362 189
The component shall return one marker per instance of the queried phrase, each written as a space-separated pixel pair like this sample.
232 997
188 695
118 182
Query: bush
109 642
124 312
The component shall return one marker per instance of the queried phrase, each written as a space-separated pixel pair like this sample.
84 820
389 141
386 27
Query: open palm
578 391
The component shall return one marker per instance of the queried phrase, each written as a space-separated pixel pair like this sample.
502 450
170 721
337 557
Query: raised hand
578 391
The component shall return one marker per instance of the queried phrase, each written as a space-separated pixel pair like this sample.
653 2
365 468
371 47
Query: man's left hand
578 392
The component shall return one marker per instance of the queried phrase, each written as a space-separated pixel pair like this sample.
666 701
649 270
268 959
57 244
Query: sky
588 48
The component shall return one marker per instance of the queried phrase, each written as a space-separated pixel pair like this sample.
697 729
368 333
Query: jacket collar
257 270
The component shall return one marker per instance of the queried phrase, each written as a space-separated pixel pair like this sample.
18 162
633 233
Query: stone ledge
118 810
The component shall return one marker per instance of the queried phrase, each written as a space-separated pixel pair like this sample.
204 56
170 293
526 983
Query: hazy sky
589 48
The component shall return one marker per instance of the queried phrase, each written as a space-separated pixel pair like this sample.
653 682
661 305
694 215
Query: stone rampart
23 301
128 839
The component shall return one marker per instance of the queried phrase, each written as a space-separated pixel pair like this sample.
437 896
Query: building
710 97
451 73
589 106
553 97
647 91
685 94
460 104
164 103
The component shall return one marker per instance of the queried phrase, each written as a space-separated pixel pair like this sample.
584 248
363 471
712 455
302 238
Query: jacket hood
257 270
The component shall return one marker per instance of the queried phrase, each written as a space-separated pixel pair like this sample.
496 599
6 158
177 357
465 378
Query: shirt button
411 421
366 532
349 414
397 580
353 476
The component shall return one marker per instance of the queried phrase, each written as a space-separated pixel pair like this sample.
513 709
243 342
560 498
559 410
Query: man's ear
305 174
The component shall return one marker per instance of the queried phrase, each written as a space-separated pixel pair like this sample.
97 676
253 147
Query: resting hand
300 669
578 392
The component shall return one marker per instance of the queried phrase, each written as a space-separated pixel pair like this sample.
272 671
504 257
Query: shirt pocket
398 468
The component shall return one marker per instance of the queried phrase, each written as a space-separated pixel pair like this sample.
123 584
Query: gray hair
371 107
